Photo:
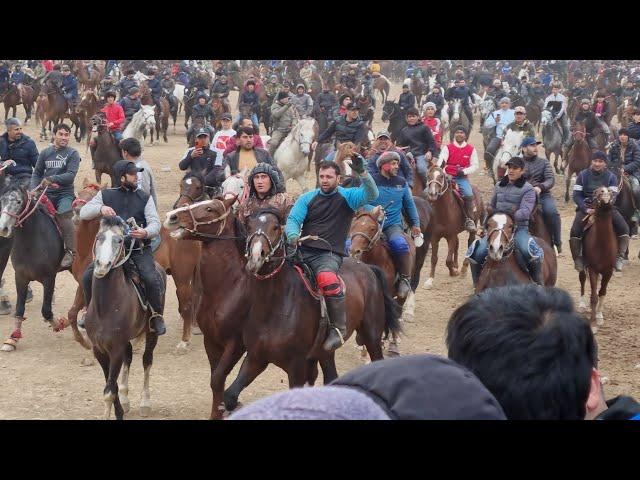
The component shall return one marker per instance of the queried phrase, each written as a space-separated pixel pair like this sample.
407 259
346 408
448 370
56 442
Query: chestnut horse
448 220
11 100
87 108
599 250
181 260
89 81
381 84
578 158
501 266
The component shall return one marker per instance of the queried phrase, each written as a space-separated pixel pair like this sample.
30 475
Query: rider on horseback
302 102
500 119
417 136
326 212
463 93
130 105
587 182
539 173
19 150
201 159
115 116
461 160
56 168
17 79
347 128
282 117
384 144
202 110
69 87
406 100
625 154
557 103
521 124
155 87
436 98
591 123
127 83
395 196
126 200
168 85
434 124
514 196
263 193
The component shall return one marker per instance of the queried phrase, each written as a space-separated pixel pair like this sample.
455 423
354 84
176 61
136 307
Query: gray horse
552 140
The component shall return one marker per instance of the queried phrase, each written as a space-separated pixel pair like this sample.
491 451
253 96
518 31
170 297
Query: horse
286 326
162 120
36 253
89 81
178 92
599 250
42 105
534 112
219 107
365 104
510 148
392 113
173 109
181 259
292 156
448 220
115 316
87 108
106 152
382 85
417 88
501 266
625 112
551 138
11 100
578 158
142 122
458 117
57 110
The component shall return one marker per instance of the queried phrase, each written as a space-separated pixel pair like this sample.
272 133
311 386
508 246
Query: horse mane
192 174
109 222
270 210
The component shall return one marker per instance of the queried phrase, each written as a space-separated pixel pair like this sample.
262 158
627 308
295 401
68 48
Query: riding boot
476 269
337 322
402 263
154 296
535 271
469 223
68 237
575 244
623 244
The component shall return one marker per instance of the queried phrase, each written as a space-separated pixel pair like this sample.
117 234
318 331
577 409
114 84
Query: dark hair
530 349
413 111
323 165
61 126
131 146
247 130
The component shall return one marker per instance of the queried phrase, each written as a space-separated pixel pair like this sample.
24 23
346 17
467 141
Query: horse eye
209 209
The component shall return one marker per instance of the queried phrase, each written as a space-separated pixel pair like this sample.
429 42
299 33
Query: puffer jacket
631 161
355 131
634 130
282 116
517 199
23 151
539 173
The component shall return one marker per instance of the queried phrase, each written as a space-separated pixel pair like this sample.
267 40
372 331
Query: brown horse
87 108
448 220
88 81
417 88
42 105
11 100
537 227
162 120
501 266
106 152
285 325
57 110
599 249
578 158
115 317
382 85
181 259
219 107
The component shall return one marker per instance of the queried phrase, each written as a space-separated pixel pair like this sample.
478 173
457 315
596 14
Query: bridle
372 240
272 250
121 250
194 231
444 184
26 213
80 201
510 240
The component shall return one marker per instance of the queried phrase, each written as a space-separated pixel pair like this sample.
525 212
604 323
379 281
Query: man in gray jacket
516 197
302 101
282 117
539 173
56 168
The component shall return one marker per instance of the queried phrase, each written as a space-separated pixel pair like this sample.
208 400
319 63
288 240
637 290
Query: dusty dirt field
44 378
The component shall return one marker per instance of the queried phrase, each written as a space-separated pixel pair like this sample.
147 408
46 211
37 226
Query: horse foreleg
123 385
232 353
184 292
297 372
329 370
251 367
103 360
593 280
601 296
434 262
582 304
567 182
452 245
147 361
72 319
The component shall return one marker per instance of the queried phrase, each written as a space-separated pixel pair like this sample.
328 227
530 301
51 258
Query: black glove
357 164
460 173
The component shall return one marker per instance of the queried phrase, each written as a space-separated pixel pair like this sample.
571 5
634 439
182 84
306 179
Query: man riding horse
168 85
204 160
461 160
114 115
56 169
513 196
126 200
263 193
591 123
500 119
18 78
521 123
69 88
557 104
326 212
587 182
155 87
347 128
130 105
625 154
417 136
463 93
282 117
127 83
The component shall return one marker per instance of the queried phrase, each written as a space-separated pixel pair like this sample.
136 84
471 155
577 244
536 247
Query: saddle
131 272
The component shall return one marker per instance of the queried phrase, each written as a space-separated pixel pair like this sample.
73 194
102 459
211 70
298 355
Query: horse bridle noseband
510 240
442 184
196 224
24 214
372 240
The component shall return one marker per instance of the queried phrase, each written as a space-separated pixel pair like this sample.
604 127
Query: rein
443 184
196 224
22 216
372 240
510 241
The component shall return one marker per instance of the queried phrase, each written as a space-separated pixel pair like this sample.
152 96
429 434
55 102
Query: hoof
182 348
7 348
126 406
594 329
407 318
599 319
195 330
428 283
454 273
30 296
145 411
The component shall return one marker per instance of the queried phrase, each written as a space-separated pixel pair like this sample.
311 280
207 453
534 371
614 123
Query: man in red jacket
47 65
114 114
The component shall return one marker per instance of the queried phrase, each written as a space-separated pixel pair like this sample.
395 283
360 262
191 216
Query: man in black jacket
18 149
406 100
625 154
130 104
202 159
437 99
417 136
347 128
127 83
250 97
634 127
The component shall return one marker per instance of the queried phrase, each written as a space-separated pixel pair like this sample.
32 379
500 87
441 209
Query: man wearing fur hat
263 181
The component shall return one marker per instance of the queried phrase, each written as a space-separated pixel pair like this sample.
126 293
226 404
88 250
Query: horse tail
392 309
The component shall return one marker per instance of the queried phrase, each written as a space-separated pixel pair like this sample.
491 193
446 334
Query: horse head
602 197
579 131
265 236
457 103
487 106
500 234
388 109
192 189
305 132
437 183
13 204
365 231
206 219
84 196
109 247
546 117
148 115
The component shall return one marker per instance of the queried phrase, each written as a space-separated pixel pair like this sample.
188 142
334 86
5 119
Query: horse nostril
173 218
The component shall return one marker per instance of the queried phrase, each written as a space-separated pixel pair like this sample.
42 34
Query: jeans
551 216
421 165
254 118
524 242
321 260
117 134
464 186
62 201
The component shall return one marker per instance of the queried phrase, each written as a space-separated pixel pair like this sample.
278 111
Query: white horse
139 77
178 92
293 153
236 185
141 124
510 148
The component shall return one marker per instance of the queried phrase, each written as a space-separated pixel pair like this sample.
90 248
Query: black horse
392 113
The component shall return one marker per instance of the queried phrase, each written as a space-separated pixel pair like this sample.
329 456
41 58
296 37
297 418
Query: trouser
277 136
156 102
143 259
421 167
620 227
523 240
464 186
467 109
117 134
635 188
493 146
566 129
71 100
321 260
551 217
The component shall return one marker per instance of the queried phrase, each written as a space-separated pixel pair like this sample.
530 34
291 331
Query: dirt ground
44 378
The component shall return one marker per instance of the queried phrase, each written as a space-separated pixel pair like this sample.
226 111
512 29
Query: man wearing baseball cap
500 119
514 196
203 160
222 136
539 173
384 144
347 128
521 124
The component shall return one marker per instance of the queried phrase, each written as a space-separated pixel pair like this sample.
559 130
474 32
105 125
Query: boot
68 237
156 322
469 223
535 271
476 269
623 244
403 268
559 247
337 322
576 252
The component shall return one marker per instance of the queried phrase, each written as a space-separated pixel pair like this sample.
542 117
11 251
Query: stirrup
339 334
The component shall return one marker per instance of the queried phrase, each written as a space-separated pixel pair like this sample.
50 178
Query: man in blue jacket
18 149
326 212
154 85
69 87
17 78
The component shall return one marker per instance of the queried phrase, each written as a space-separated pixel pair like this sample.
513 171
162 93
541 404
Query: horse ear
230 199
104 184
85 182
